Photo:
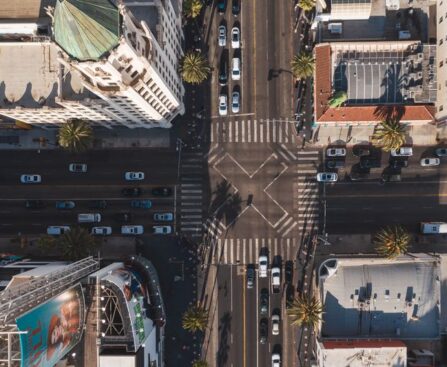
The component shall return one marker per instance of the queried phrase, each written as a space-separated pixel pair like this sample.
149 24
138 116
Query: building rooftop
376 298
86 30
23 9
33 79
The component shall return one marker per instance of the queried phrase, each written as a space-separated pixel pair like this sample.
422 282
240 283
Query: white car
162 229
336 152
275 324
235 68
429 162
132 230
101 231
164 217
77 167
276 279
235 38
327 177
441 152
402 152
235 102
276 360
223 109
134 176
222 36
263 265
30 179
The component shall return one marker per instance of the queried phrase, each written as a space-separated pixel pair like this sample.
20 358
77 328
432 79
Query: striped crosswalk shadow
253 131
243 251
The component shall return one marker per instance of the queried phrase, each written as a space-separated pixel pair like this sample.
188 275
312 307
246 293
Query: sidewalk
40 139
351 135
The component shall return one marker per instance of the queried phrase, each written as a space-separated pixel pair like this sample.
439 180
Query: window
441 19
441 63
441 41
441 107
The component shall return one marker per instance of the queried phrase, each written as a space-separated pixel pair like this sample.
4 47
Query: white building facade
441 56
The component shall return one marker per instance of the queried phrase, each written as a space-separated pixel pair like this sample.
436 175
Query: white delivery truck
433 227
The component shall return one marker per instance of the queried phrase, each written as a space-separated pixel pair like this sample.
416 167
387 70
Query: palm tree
192 8
195 319
194 68
303 65
77 243
338 99
390 134
307 5
46 244
305 311
75 136
392 241
199 364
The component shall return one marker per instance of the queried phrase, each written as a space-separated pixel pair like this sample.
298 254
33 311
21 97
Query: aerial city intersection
223 183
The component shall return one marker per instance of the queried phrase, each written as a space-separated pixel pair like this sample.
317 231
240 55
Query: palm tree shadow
233 209
220 195
224 328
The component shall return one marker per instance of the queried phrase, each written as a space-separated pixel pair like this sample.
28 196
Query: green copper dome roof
86 29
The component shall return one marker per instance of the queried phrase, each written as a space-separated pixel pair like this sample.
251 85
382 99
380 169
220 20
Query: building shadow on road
224 331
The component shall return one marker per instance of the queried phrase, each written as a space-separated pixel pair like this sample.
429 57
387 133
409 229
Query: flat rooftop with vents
377 298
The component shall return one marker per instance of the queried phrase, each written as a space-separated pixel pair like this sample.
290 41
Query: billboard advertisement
137 301
53 329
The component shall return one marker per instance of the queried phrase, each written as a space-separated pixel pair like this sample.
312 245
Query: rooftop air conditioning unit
335 28
392 4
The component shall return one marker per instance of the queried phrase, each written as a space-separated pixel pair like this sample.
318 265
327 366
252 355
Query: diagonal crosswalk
308 190
190 194
243 251
253 131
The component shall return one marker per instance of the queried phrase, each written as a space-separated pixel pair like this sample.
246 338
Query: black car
263 331
391 177
235 8
161 191
250 277
131 191
361 151
399 163
333 164
124 217
97 204
223 69
369 163
290 295
358 176
288 272
221 6
34 204
264 302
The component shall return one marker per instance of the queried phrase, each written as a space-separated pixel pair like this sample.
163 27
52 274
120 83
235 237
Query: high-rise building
441 35
114 63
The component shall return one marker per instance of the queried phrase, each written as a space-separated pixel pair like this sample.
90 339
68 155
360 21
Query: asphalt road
366 206
104 180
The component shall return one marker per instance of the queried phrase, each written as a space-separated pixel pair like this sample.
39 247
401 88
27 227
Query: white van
433 227
236 68
89 218
57 230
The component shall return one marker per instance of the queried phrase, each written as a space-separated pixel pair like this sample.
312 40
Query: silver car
402 152
327 177
441 152
30 179
336 152
429 162
222 36
235 102
235 38
223 109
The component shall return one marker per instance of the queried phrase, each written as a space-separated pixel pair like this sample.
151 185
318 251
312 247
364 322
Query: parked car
264 302
129 230
290 295
399 163
336 152
57 230
164 217
263 331
275 324
162 191
433 227
402 152
276 360
97 204
276 279
235 68
30 179
430 162
441 152
361 151
250 276
235 102
65 205
124 217
335 164
223 68
235 37
391 177
263 265
134 176
89 218
367 162
221 6
77 167
358 175
288 272
222 39
101 231
235 8
327 177
131 191
34 204
223 109
141 204
161 229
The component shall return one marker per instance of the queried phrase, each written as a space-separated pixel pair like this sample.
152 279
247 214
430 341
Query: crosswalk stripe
198 178
307 170
275 247
230 132
274 131
236 132
190 185
284 225
244 249
249 130
212 132
293 156
283 155
307 152
190 210
289 229
261 131
280 131
243 131
238 247
255 133
225 252
267 131
256 248
189 229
